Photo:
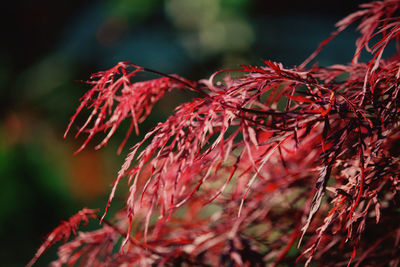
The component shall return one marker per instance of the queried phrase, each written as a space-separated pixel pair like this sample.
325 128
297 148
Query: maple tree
277 166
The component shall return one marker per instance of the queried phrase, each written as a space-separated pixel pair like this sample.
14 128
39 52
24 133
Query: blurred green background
49 46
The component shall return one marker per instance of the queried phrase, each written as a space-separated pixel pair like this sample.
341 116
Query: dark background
47 47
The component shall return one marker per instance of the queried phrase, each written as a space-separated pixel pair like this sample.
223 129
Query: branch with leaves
255 165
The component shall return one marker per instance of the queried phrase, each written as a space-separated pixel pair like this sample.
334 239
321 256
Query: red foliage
63 231
238 175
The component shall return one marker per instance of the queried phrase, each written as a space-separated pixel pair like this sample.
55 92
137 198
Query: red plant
257 164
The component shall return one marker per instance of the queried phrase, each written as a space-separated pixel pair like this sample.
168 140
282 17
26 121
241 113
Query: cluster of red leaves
114 98
63 231
258 164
